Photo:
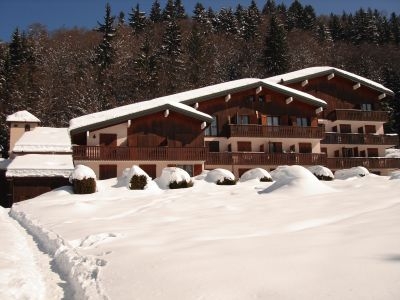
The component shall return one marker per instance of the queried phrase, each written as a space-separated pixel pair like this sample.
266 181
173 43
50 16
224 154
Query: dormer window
27 127
366 106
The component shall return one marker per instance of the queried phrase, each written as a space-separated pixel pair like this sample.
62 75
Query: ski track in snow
81 273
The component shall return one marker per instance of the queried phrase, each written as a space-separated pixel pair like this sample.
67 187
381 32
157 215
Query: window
275 147
27 127
366 106
347 152
305 148
212 130
272 121
372 152
261 98
244 146
345 128
243 119
303 122
250 99
370 129
187 168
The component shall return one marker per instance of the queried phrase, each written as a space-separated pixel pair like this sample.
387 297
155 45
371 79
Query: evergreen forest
135 56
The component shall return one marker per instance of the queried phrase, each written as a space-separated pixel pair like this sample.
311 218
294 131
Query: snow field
295 238
81 272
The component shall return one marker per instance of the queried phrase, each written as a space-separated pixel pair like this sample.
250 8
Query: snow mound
82 172
172 174
296 180
135 170
392 153
219 175
256 173
352 172
321 171
395 175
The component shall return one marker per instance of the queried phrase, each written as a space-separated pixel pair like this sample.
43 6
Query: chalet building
236 125
41 158
316 116
353 119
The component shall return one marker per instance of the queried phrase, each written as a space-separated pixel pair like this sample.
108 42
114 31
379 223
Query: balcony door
108 142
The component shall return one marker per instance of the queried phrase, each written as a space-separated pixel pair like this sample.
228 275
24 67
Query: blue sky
56 14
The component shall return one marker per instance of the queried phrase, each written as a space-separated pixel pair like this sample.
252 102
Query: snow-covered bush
256 173
352 172
175 177
322 173
83 180
180 185
138 179
221 177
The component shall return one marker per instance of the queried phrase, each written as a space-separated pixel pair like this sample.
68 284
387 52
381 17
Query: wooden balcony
139 153
367 162
358 115
360 139
254 130
259 158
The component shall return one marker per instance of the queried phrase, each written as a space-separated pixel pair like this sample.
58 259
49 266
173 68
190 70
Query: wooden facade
23 188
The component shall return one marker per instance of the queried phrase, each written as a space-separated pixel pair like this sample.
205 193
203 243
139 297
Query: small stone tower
19 123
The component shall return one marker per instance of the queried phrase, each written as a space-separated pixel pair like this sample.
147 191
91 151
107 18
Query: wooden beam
203 125
289 100
356 86
304 83
319 110
331 76
381 96
196 105
258 90
166 113
228 97
87 133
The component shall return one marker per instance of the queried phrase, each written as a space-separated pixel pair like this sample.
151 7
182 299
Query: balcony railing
359 139
139 153
254 130
367 162
257 158
358 115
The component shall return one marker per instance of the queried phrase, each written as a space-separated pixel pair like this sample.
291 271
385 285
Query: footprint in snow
94 240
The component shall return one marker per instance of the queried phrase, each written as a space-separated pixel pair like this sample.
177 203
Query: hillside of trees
135 56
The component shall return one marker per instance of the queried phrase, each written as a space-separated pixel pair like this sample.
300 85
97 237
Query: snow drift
297 180
352 172
172 174
218 175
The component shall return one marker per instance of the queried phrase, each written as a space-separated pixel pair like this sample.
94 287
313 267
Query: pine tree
276 60
121 18
137 19
392 104
295 15
196 56
105 51
171 51
155 12
308 20
179 10
394 24
226 21
335 27
269 8
146 67
169 11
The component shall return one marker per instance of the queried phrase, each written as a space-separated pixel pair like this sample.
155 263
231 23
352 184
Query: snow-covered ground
295 238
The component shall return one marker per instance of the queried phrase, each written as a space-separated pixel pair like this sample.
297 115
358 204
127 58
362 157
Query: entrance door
107 171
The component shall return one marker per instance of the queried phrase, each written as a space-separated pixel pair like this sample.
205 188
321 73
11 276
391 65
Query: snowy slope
247 241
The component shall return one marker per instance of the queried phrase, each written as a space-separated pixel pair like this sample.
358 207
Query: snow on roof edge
323 70
22 116
181 101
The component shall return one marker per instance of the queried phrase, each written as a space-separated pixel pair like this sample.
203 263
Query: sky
56 14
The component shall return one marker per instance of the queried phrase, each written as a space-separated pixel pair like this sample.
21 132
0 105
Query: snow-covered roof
41 165
44 139
131 111
22 116
313 72
180 102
